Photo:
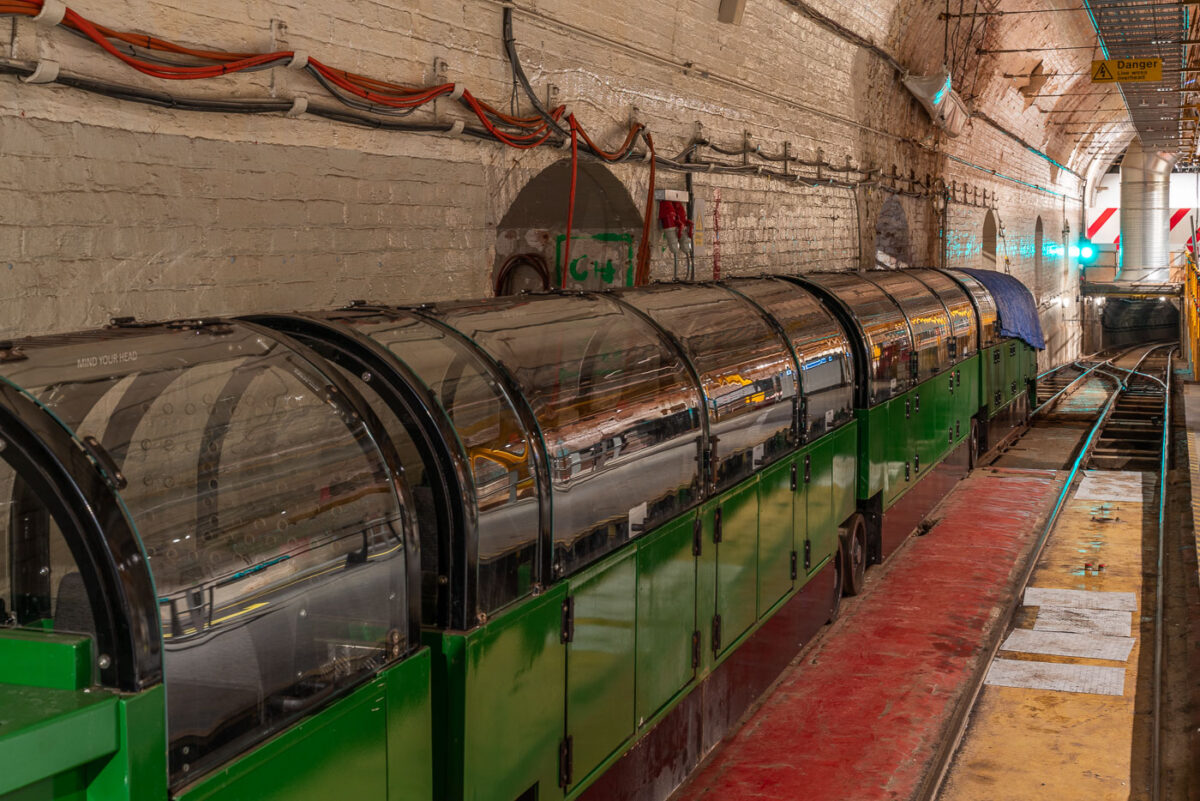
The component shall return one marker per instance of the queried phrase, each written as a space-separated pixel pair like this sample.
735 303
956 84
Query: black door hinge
697 528
807 467
567 632
996 356
917 402
1014 388
696 649
717 524
794 564
566 756
949 434
793 476
907 467
952 383
716 633
916 463
957 428
907 408
914 368
807 554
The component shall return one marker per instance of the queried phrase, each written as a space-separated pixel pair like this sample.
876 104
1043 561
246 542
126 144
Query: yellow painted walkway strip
1031 744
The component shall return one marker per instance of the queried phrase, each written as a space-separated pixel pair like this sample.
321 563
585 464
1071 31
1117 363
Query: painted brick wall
108 207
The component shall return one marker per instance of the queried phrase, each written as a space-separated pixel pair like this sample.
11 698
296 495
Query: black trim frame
100 535
426 422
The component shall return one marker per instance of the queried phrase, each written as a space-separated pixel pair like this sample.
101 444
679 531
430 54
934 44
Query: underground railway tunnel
512 401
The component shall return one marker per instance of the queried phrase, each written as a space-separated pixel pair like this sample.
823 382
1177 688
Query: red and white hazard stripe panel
1104 226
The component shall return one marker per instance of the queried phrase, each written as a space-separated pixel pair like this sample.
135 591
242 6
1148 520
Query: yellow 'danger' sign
1127 70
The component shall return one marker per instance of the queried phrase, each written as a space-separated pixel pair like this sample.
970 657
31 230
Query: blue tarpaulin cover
1014 302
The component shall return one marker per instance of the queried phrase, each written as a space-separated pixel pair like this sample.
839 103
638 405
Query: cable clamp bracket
299 60
457 94
299 106
457 128
46 71
52 13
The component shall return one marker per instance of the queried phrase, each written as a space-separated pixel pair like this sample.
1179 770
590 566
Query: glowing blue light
1087 251
1074 251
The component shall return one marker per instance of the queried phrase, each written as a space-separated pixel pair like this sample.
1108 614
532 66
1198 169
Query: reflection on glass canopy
820 345
745 368
985 307
927 318
266 511
883 327
616 407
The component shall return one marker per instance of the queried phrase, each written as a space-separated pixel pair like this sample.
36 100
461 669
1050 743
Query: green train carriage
620 515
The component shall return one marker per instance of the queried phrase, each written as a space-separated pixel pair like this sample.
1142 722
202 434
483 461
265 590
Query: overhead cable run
372 103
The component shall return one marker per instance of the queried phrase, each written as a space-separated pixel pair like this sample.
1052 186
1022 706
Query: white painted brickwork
112 208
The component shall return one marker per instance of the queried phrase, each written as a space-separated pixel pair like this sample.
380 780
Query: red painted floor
859 717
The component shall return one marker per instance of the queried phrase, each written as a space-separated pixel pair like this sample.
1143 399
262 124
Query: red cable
571 201
641 275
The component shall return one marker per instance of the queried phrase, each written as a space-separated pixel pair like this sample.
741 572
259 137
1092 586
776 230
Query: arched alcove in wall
892 250
531 236
990 239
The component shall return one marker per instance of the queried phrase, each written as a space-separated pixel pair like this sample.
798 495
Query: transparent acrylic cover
985 307
616 407
273 528
494 444
927 319
745 368
958 306
884 329
821 346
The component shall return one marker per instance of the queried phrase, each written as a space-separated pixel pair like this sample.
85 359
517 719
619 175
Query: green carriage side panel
924 420
994 378
872 452
737 561
775 524
600 661
845 462
967 391
511 700
45 659
666 615
1014 369
68 786
409 721
899 443
340 752
48 737
822 527
138 771
800 527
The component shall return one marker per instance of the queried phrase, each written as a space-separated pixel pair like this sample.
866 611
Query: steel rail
1156 733
935 777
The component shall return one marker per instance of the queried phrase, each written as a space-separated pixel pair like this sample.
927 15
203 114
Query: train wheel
835 603
853 554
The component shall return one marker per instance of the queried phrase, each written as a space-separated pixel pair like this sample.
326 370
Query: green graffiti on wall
597 260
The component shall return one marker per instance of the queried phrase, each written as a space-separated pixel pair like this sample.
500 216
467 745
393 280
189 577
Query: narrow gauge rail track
1151 368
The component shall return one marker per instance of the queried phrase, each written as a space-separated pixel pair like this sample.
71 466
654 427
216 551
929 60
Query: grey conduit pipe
1145 214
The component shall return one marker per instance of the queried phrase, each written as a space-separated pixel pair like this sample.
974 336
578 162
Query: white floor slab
1113 485
1081 599
1061 643
1057 676
1108 622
